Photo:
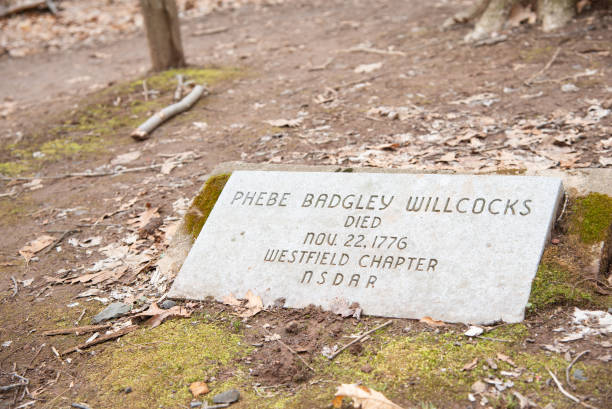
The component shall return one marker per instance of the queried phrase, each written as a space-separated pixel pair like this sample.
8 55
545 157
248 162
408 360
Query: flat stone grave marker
458 248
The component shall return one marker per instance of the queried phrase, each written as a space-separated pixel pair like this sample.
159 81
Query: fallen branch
547 66
87 174
335 354
178 93
292 351
210 31
27 5
59 240
23 382
102 339
569 368
493 339
491 41
142 132
76 330
363 49
566 393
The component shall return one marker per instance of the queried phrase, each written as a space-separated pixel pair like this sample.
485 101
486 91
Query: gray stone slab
468 254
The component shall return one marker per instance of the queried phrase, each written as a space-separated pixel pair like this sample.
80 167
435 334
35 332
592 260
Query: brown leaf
35 246
506 359
253 306
363 397
159 315
145 217
99 277
199 388
471 365
431 322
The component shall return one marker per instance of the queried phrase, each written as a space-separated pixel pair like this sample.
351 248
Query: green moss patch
591 217
159 364
553 285
203 204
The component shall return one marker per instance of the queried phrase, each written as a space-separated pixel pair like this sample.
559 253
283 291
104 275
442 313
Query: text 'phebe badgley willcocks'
357 253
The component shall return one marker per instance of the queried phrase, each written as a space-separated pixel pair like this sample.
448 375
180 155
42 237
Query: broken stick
143 131
76 330
362 336
568 370
102 339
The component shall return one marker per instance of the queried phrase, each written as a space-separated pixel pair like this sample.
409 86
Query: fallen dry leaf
431 322
159 315
198 388
506 359
33 247
471 365
253 306
363 397
145 217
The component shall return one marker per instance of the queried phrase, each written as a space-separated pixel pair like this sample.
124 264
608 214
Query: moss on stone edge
591 217
553 285
203 204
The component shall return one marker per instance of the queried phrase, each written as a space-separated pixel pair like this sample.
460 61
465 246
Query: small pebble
230 396
167 304
367 368
128 389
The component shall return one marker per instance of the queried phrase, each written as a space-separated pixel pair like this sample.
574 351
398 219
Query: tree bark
163 33
492 20
556 13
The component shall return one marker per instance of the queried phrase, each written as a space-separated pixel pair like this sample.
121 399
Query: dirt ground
359 83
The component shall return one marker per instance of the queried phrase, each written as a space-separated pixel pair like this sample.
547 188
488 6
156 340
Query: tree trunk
163 33
492 20
556 13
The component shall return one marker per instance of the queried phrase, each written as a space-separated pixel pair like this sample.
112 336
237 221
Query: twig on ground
76 323
362 336
491 41
102 339
80 406
142 132
87 174
350 84
16 288
178 93
145 90
321 67
569 368
76 330
566 393
363 49
292 351
210 31
35 356
25 405
22 382
60 239
547 66
563 209
493 339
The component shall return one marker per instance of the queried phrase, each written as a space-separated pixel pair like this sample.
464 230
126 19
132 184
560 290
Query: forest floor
356 84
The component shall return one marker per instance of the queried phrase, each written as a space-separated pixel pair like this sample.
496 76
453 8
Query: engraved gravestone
459 248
